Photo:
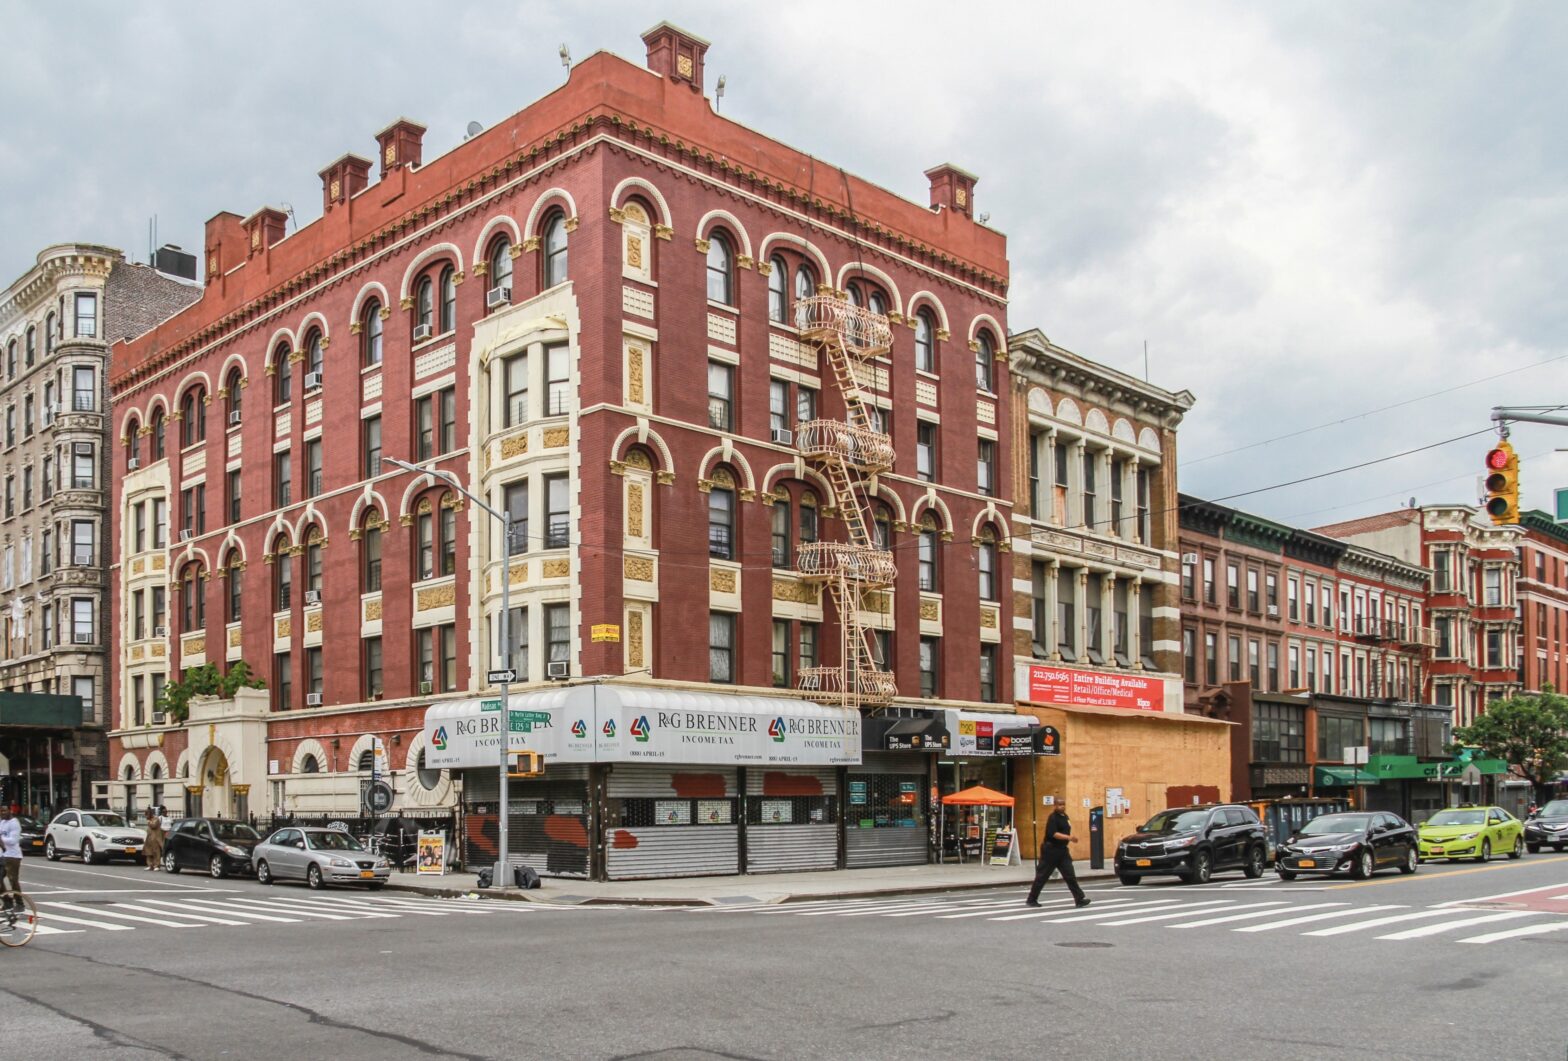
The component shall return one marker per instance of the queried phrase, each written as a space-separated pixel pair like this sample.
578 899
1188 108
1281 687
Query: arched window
778 290
876 302
32 346
51 323
235 583
310 765
370 553
193 417
925 342
282 376
282 575
985 362
783 544
367 760
986 559
193 602
10 359
232 386
555 250
721 270
853 293
448 300
882 524
370 329
425 305
808 516
313 560
435 538
133 442
930 555
156 447
721 515
500 272
805 282
313 357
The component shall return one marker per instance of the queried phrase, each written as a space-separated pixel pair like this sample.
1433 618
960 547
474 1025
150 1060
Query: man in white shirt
10 855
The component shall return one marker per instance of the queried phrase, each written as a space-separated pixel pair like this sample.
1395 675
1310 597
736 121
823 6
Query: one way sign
496 677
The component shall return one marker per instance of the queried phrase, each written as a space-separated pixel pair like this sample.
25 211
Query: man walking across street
1056 854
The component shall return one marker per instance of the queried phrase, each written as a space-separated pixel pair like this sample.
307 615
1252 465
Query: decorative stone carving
556 437
514 445
634 523
373 610
721 580
634 638
556 568
313 623
436 597
283 627
637 568
930 609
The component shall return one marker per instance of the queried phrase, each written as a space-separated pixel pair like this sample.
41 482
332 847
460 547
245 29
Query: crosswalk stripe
301 905
318 902
291 909
1257 912
991 905
1118 904
217 907
1292 921
1184 912
105 912
1515 933
183 913
1449 926
1094 915
50 915
44 930
1044 903
1377 922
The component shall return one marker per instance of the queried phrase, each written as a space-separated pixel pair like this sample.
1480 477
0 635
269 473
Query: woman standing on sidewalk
152 846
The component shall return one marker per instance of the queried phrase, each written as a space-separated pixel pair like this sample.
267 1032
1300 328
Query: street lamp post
498 877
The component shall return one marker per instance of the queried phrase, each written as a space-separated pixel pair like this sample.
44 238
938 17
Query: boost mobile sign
639 725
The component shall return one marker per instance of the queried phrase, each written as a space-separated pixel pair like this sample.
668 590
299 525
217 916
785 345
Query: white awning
974 732
600 722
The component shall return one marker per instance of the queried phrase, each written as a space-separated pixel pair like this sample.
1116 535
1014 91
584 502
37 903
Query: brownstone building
746 412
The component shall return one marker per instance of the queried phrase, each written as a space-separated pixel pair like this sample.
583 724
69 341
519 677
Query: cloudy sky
1312 213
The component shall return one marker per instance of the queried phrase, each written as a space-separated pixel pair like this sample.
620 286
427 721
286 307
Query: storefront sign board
1068 686
857 793
432 853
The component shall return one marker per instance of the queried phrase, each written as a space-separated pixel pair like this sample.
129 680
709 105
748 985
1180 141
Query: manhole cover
1086 945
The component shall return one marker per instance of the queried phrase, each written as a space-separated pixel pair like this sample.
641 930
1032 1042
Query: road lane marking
1043 904
992 905
1449 926
1376 922
54 868
1256 913
1170 914
1408 878
219 908
105 912
1291 921
1092 915
1499 895
1515 933
52 916
183 913
1119 904
290 909
299 905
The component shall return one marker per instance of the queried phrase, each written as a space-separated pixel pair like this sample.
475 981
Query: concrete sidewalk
753 888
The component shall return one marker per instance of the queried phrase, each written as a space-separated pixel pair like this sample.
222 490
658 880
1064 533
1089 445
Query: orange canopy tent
978 796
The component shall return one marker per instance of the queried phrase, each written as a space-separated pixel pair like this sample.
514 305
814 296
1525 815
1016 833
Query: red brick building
587 314
1543 602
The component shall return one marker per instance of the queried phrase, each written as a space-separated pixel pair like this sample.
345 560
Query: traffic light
525 764
1502 484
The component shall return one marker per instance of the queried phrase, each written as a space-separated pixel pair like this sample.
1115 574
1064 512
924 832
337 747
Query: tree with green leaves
1529 731
206 680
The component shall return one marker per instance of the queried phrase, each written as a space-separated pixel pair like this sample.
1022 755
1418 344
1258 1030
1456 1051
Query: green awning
43 710
1341 776
1408 767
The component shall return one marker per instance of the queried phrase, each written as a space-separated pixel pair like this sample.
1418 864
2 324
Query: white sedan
95 835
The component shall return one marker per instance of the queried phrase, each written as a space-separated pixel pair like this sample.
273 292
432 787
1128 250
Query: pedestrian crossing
220 909
1244 915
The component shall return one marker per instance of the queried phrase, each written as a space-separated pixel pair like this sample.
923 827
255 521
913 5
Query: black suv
1547 827
1192 843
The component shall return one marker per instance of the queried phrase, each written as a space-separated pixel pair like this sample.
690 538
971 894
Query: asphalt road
1455 962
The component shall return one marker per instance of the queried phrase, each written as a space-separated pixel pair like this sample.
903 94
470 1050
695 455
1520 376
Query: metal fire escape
850 454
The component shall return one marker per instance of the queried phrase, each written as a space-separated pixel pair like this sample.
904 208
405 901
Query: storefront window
885 801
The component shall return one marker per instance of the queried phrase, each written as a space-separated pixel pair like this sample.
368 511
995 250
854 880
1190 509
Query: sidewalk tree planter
205 681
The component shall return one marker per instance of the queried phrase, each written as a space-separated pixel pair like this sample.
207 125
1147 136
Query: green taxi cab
1471 832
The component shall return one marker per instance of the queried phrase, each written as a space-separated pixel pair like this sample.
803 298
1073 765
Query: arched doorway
213 776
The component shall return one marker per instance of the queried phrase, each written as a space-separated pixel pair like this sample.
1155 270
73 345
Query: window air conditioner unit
185 534
160 631
84 557
1273 611
426 687
312 596
234 418
498 296
1189 558
556 670
422 332
83 637
312 699
312 381
783 436
132 464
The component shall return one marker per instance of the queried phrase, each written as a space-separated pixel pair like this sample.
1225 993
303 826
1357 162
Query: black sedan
1361 842
216 845
33 830
1547 827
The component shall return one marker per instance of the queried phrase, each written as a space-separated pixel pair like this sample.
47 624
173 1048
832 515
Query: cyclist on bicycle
10 855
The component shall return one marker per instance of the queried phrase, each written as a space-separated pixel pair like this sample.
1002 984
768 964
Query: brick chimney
343 179
676 54
264 228
225 244
953 188
402 144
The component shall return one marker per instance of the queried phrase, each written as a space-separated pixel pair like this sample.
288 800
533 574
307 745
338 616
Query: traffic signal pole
1527 414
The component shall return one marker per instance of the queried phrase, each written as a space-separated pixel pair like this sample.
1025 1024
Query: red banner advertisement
1064 685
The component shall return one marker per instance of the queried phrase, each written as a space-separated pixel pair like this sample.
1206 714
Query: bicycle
18 920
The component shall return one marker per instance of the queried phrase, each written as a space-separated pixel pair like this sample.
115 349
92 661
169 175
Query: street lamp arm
449 478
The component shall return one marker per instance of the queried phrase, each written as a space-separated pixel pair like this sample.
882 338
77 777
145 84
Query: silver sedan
318 857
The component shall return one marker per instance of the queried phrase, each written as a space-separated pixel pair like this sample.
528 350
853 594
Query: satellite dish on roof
474 129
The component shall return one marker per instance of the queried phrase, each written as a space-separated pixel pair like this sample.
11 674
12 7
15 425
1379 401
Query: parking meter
1097 838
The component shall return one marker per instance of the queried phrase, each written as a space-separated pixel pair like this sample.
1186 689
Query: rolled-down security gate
791 818
670 822
548 827
885 813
